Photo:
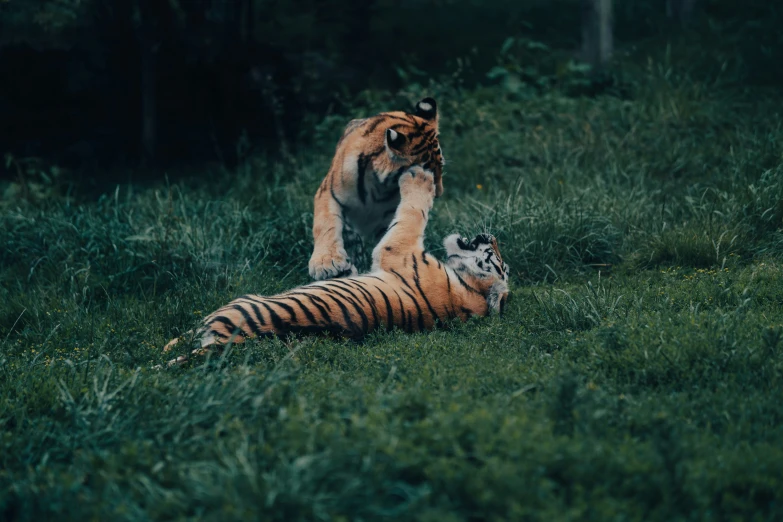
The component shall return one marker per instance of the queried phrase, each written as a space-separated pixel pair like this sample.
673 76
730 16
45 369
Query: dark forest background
98 83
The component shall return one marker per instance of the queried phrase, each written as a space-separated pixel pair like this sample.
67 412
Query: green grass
637 373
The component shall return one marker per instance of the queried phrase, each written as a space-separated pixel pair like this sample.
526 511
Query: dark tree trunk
149 28
597 43
680 10
149 116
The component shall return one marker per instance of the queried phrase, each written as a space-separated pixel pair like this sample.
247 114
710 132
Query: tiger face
412 139
480 258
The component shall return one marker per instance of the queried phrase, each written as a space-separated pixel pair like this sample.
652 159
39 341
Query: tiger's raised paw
329 266
418 183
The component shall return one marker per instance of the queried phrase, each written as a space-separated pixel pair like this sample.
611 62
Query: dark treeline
175 79
119 81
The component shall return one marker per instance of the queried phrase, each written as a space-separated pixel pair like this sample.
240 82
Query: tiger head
412 139
479 259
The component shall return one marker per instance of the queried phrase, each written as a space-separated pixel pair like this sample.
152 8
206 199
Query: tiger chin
359 194
407 288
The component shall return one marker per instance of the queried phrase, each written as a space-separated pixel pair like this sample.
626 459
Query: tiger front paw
331 265
418 184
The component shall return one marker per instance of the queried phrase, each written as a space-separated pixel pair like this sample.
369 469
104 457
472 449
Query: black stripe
287 308
373 304
323 302
368 297
302 307
361 168
277 322
352 327
229 324
352 300
424 258
218 335
365 286
452 313
401 279
315 300
402 308
416 280
389 311
424 140
418 150
420 316
248 320
463 283
377 120
252 302
380 119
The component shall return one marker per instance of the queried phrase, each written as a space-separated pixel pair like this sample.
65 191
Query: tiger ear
395 140
427 109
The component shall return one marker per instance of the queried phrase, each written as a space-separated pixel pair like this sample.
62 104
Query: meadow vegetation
636 375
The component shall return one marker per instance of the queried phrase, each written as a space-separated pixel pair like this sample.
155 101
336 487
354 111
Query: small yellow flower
479 186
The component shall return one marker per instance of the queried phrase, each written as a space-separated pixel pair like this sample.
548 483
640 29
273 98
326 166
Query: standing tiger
359 194
407 288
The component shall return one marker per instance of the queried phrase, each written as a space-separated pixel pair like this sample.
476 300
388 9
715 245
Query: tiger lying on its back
359 194
407 287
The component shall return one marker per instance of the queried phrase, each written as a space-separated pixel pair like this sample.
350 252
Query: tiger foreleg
329 257
405 233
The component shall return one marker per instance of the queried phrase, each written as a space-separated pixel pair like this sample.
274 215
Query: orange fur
407 287
360 190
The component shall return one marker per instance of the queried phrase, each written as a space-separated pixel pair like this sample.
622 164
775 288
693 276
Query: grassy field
637 373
